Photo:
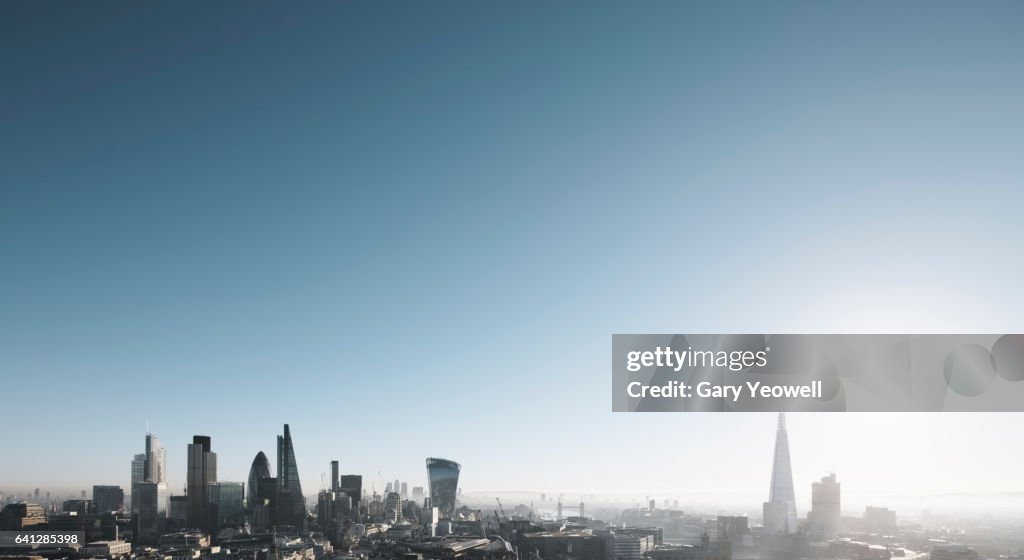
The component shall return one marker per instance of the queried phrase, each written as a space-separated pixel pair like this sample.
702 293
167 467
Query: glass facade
443 476
291 508
260 469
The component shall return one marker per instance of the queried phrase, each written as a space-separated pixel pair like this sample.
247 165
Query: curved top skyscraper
780 509
443 476
260 469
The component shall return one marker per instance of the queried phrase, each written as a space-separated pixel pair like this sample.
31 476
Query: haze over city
412 235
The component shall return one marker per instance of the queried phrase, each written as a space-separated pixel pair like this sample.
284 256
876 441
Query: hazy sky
411 230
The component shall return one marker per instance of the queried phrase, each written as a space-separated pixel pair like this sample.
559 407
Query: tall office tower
352 486
139 468
260 469
395 486
155 463
202 470
443 478
417 494
825 508
292 504
780 509
108 498
387 488
404 491
334 476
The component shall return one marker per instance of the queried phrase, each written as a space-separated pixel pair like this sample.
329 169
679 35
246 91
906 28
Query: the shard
780 509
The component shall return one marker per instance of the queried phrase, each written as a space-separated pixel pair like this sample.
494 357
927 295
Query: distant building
563 544
107 549
80 507
879 519
953 552
21 516
202 470
108 498
727 528
707 551
780 509
825 513
443 476
631 546
352 486
418 495
393 507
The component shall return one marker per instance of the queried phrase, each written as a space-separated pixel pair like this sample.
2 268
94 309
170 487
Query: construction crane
500 509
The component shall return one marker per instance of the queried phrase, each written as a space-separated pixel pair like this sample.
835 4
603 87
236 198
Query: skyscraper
780 509
139 468
202 470
825 508
291 507
352 486
443 478
260 469
155 461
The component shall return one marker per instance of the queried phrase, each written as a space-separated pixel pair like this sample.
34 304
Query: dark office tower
334 476
780 509
202 470
108 498
443 478
225 504
260 469
148 514
154 467
352 486
291 507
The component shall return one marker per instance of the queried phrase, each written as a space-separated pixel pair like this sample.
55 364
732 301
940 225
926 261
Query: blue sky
411 230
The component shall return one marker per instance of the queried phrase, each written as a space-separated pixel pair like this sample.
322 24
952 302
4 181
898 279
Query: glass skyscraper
155 465
202 470
260 469
780 509
443 476
291 507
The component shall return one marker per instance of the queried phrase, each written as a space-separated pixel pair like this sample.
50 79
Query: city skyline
731 501
429 223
